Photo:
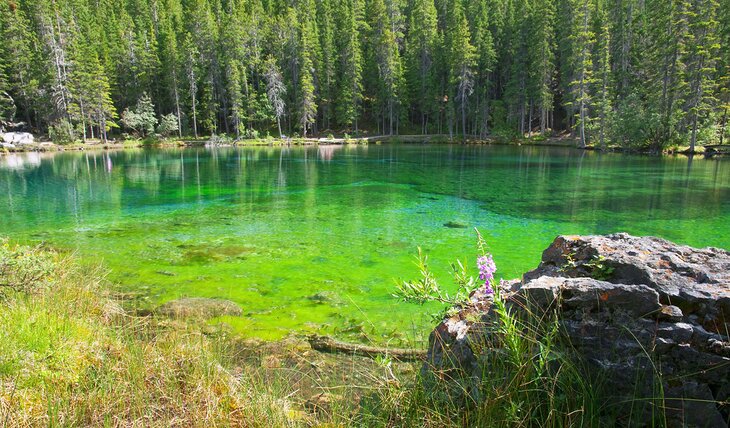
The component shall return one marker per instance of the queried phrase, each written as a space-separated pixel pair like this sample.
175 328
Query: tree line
638 73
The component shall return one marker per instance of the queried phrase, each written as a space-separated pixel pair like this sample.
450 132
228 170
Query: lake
313 239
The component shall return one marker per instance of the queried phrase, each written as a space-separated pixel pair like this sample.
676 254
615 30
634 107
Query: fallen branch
328 344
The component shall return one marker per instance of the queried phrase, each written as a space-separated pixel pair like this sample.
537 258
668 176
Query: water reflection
525 182
20 161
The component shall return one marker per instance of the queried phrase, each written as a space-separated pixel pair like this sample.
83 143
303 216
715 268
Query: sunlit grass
71 357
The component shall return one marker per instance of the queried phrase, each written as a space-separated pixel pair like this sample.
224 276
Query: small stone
662 346
670 313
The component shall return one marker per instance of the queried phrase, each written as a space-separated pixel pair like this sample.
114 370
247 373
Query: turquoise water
313 239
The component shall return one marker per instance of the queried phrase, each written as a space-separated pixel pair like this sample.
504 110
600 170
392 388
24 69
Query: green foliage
141 119
599 268
168 125
480 68
24 269
62 132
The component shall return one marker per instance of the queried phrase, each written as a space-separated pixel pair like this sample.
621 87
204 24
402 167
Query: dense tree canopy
640 73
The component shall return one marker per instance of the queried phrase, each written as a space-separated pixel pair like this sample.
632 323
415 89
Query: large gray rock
695 280
18 138
199 307
641 312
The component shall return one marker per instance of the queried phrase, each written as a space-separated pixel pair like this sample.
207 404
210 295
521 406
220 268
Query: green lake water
313 239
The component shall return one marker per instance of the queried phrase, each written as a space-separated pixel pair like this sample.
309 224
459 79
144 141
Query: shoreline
47 146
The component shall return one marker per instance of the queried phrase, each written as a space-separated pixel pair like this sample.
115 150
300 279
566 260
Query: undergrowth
69 356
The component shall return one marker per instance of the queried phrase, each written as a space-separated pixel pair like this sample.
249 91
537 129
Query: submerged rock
641 312
455 225
199 307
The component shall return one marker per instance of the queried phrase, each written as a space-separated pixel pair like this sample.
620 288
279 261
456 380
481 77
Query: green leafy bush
168 125
62 132
142 119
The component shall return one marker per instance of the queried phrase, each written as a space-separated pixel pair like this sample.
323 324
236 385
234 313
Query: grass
523 381
71 356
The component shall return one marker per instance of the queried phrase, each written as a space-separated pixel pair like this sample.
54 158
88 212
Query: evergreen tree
541 61
582 73
307 98
486 57
640 73
349 93
461 63
602 72
388 70
701 61
422 43
275 90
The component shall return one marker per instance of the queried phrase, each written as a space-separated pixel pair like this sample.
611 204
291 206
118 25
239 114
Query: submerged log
722 149
328 344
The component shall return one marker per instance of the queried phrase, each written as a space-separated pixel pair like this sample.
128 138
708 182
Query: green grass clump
526 378
70 356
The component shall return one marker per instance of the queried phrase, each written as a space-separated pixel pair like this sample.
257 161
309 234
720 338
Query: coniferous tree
701 61
582 61
486 56
388 70
422 42
307 101
461 63
349 94
602 73
275 90
640 73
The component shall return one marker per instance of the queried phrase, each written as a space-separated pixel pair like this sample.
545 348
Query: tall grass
526 372
525 378
69 356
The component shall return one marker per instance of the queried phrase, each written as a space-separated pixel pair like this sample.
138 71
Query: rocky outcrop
18 138
198 307
641 312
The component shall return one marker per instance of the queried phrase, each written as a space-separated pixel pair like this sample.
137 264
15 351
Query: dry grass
69 356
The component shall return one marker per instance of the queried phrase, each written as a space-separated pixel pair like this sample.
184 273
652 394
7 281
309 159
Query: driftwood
328 344
718 149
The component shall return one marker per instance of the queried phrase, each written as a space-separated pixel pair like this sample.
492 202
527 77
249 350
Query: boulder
199 307
694 280
18 138
639 311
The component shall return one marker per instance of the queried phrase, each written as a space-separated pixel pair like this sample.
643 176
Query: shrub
62 132
24 269
220 140
168 125
250 134
142 119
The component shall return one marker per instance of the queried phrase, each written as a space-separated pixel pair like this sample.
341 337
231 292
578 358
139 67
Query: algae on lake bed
311 243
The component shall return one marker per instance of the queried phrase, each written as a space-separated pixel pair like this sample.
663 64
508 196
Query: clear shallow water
313 239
